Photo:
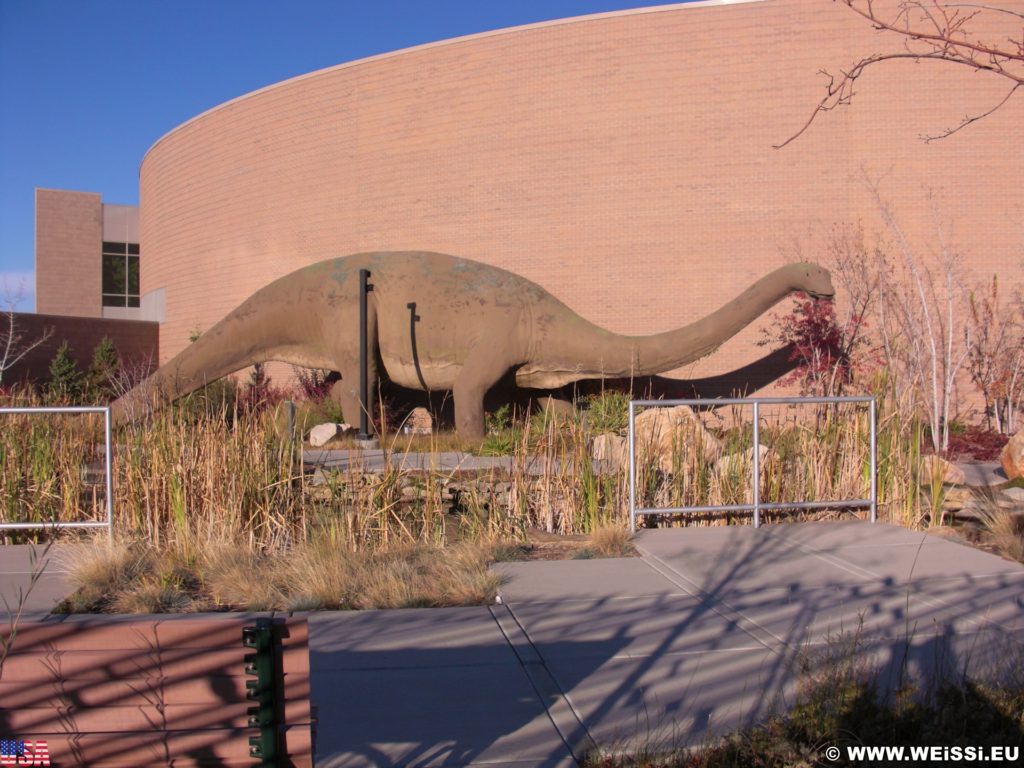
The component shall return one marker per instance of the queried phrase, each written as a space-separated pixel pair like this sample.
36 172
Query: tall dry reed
187 477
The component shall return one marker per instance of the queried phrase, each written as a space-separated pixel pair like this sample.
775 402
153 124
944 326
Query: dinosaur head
813 280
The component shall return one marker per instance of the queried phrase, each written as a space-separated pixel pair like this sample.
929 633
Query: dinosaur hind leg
487 363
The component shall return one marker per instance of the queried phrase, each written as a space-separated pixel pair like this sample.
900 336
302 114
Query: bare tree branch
13 346
930 30
968 120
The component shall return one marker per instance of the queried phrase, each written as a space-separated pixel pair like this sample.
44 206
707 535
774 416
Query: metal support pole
756 454
632 468
874 459
108 461
364 384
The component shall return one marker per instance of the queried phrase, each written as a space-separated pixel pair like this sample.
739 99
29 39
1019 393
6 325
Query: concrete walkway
17 563
700 635
703 633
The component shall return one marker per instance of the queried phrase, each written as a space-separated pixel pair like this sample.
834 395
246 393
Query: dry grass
139 578
186 478
1004 531
609 541
219 513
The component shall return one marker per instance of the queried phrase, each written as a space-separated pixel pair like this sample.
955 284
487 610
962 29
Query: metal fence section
757 504
107 467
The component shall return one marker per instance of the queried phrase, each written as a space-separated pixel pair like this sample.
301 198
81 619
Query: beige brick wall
69 239
624 162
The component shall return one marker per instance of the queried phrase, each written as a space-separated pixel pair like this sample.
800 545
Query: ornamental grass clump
138 577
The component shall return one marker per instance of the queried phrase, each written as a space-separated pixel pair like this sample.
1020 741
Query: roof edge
447 41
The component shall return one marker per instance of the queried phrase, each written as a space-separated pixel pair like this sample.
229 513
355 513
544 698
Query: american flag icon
21 752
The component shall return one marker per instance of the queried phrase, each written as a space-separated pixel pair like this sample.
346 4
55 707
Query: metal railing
757 504
107 462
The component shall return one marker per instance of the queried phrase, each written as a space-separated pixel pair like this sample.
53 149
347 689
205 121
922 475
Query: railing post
874 459
632 468
108 461
756 453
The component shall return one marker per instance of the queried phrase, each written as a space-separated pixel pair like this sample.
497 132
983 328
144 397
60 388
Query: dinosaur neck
615 355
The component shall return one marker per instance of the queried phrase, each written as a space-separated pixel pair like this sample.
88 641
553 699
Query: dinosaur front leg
345 392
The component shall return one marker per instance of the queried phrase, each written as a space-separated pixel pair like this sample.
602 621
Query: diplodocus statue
439 322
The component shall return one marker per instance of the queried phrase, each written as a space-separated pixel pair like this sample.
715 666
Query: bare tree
932 30
13 344
996 354
925 336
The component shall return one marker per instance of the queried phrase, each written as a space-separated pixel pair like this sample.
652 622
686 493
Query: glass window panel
133 301
114 247
114 274
113 301
133 249
133 276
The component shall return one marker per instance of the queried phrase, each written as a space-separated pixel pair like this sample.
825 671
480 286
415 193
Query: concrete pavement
16 567
703 633
700 635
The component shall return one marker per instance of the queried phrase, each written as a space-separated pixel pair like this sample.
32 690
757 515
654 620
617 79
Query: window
120 274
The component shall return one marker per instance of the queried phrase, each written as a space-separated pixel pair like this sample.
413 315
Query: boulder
742 460
1012 456
611 450
418 422
322 434
660 431
935 466
955 499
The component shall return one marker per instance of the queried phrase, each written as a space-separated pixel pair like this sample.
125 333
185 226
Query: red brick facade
623 161
137 343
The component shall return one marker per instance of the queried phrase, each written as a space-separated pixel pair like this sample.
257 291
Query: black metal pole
364 384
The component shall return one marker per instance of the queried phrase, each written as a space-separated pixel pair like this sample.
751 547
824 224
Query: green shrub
607 412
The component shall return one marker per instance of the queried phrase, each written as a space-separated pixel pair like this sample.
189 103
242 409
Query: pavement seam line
693 590
840 563
857 570
715 604
546 688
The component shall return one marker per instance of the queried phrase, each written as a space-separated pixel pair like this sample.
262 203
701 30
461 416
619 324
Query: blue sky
87 87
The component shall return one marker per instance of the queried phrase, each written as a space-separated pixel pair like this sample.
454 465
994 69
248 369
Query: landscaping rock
321 434
1012 456
610 449
418 422
1017 494
743 460
935 466
958 498
660 431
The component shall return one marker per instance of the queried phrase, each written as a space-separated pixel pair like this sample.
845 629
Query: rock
418 422
935 466
321 434
1017 494
742 461
661 431
1012 456
610 449
958 498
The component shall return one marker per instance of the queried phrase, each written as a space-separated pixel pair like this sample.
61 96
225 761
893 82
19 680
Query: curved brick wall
624 161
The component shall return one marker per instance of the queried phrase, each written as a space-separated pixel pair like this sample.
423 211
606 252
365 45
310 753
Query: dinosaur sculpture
438 322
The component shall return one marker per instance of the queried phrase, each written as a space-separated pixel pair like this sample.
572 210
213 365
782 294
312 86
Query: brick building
624 161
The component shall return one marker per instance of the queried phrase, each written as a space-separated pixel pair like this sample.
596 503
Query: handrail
758 504
107 461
